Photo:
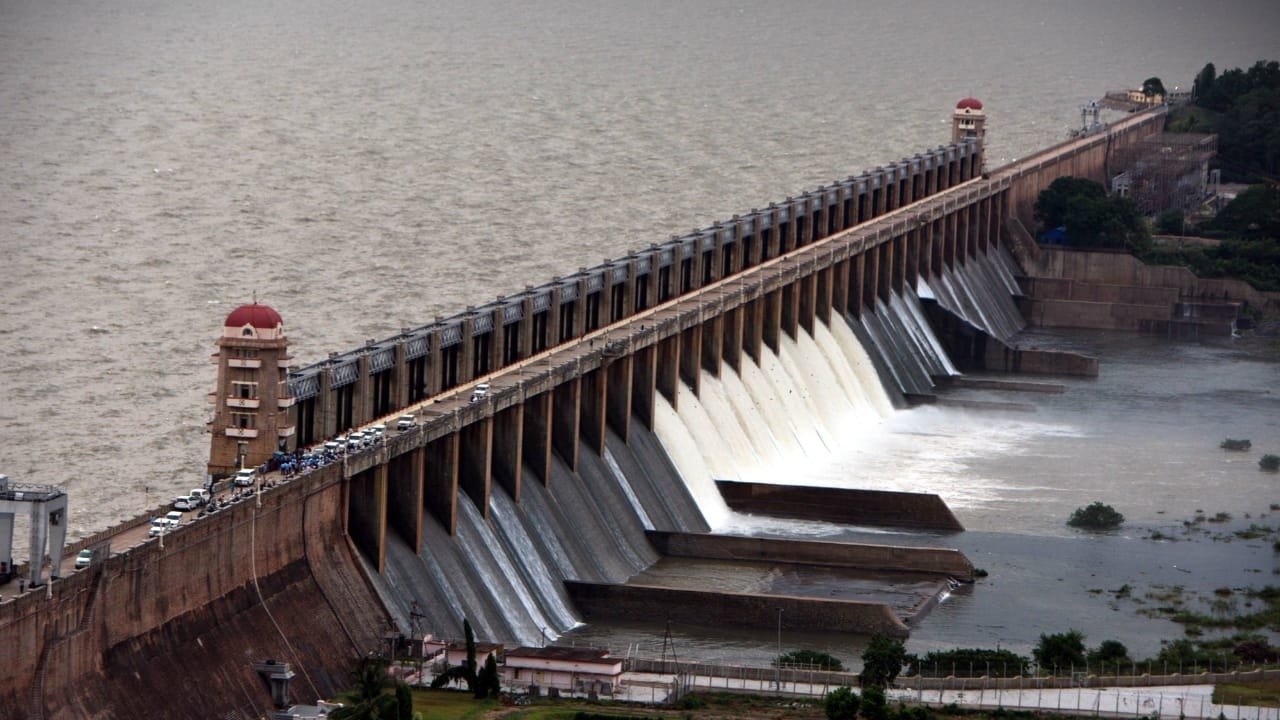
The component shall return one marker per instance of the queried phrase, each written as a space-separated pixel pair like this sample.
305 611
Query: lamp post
778 661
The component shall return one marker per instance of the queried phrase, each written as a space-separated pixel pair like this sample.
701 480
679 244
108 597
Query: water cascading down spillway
761 433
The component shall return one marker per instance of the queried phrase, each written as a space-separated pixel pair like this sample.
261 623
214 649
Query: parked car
185 502
355 441
245 477
200 495
378 431
158 525
84 559
406 422
479 391
173 518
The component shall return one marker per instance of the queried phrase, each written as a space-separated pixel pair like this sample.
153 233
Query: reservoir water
367 168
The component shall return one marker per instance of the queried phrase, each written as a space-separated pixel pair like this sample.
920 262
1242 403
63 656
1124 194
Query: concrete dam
570 450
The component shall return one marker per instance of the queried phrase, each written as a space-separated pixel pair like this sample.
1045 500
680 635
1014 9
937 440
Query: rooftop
556 652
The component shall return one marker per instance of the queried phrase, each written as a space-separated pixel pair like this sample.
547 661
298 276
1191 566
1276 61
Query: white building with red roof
562 669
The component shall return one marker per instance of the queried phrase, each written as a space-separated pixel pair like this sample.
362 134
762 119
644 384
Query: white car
245 477
158 525
185 502
406 422
199 495
84 558
173 518
479 391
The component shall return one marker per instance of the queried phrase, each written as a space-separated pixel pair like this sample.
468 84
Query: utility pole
778 661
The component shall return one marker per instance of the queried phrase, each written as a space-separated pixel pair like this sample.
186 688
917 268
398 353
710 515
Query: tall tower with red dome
251 419
968 121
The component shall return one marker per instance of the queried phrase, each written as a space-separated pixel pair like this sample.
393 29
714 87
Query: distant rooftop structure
46 505
1165 171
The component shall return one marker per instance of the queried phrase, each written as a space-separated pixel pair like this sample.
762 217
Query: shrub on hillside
1269 462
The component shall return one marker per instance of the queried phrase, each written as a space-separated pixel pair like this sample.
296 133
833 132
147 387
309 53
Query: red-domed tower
968 121
251 402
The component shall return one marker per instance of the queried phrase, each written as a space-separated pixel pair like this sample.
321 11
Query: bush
874 704
1061 651
912 712
971 662
1233 444
842 704
809 659
1096 517
1269 462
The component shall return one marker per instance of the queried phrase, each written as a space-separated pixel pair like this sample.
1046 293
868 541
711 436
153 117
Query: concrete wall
943 561
850 507
644 603
1116 268
195 598
1040 362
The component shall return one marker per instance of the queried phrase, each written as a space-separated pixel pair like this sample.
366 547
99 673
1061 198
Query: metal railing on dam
353 388
349 389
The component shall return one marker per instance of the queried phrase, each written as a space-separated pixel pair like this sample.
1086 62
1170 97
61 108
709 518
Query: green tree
467 670
1170 222
488 683
841 704
1052 203
1110 653
1204 81
1152 87
1253 213
404 702
1060 651
1091 218
882 661
367 696
874 704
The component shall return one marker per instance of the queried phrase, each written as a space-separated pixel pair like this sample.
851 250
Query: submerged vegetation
1269 462
1233 444
1097 516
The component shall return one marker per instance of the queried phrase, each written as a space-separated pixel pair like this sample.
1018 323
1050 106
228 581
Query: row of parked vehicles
201 499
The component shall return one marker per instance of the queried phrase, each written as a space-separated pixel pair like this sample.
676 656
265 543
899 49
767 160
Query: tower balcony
286 402
236 432
285 431
239 402
252 364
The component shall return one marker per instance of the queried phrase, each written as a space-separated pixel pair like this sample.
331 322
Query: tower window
244 421
245 390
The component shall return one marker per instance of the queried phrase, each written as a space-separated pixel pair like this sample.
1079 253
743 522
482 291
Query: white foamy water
368 167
